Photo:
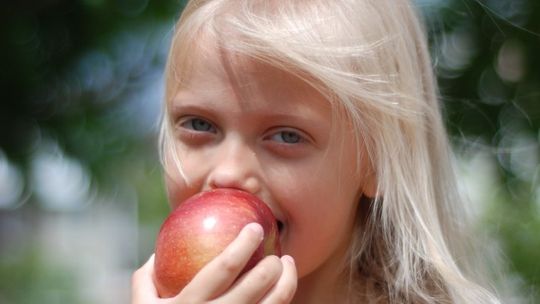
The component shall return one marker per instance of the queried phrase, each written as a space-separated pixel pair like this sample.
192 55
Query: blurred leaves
485 54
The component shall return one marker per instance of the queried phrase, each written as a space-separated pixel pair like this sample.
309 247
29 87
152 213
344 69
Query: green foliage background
80 179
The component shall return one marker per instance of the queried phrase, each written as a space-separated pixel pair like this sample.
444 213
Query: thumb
143 289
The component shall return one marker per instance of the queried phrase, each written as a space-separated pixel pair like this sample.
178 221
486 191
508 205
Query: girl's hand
272 280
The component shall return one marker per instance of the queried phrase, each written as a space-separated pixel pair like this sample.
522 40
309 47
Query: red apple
201 227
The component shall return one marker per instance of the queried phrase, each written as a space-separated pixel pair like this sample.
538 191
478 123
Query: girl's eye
288 142
199 125
287 137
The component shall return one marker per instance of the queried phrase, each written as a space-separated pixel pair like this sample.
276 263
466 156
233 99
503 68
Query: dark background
81 192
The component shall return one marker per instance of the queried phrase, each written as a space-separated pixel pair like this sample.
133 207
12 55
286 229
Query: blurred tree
486 57
44 43
80 98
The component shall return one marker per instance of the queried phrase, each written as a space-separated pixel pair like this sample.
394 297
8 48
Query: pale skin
267 132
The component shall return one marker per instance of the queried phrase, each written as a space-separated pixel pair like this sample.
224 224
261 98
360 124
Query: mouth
280 226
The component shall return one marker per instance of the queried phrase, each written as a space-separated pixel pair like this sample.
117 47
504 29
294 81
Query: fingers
253 285
142 284
283 291
218 275
272 281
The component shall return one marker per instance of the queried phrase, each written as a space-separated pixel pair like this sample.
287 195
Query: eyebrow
185 94
207 109
189 101
186 100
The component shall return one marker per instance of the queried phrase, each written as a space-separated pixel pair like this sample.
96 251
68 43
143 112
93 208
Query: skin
245 125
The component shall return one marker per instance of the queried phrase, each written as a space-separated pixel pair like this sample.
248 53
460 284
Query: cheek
175 187
317 193
320 221
330 192
179 186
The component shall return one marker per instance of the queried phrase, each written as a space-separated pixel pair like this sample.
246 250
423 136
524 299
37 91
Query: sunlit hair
370 59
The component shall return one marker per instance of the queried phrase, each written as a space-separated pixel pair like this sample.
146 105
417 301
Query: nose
235 166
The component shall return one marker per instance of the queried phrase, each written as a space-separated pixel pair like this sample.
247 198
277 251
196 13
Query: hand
272 280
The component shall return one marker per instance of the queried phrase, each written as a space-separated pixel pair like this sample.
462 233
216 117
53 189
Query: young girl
327 111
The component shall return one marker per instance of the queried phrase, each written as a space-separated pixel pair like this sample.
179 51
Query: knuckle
267 270
261 274
229 264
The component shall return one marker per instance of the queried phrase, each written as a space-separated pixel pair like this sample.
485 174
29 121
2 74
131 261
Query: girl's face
249 126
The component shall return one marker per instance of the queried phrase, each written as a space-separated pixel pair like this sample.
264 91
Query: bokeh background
81 191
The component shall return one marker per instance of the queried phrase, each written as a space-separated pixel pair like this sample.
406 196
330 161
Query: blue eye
198 124
288 137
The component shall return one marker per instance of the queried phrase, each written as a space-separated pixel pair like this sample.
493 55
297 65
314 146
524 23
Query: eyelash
191 124
196 130
276 142
286 135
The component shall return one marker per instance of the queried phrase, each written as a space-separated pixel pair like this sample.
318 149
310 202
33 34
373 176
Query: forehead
210 69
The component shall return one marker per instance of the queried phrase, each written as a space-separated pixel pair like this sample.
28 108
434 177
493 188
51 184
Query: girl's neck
314 291
327 284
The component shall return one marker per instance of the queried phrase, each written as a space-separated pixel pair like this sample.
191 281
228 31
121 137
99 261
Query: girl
326 110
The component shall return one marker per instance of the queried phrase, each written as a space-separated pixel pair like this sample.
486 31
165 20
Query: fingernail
256 228
288 259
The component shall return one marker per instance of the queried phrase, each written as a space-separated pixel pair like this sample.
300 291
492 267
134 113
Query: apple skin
201 227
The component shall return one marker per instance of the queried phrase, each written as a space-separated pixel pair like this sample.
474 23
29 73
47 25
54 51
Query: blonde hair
370 59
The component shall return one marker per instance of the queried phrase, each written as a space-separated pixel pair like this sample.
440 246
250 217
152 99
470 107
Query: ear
369 187
370 183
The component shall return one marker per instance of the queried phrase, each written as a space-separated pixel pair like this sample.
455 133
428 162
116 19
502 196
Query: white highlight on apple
209 223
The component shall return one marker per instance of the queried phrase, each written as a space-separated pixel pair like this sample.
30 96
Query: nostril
233 178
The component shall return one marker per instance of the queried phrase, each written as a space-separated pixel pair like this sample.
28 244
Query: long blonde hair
370 59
